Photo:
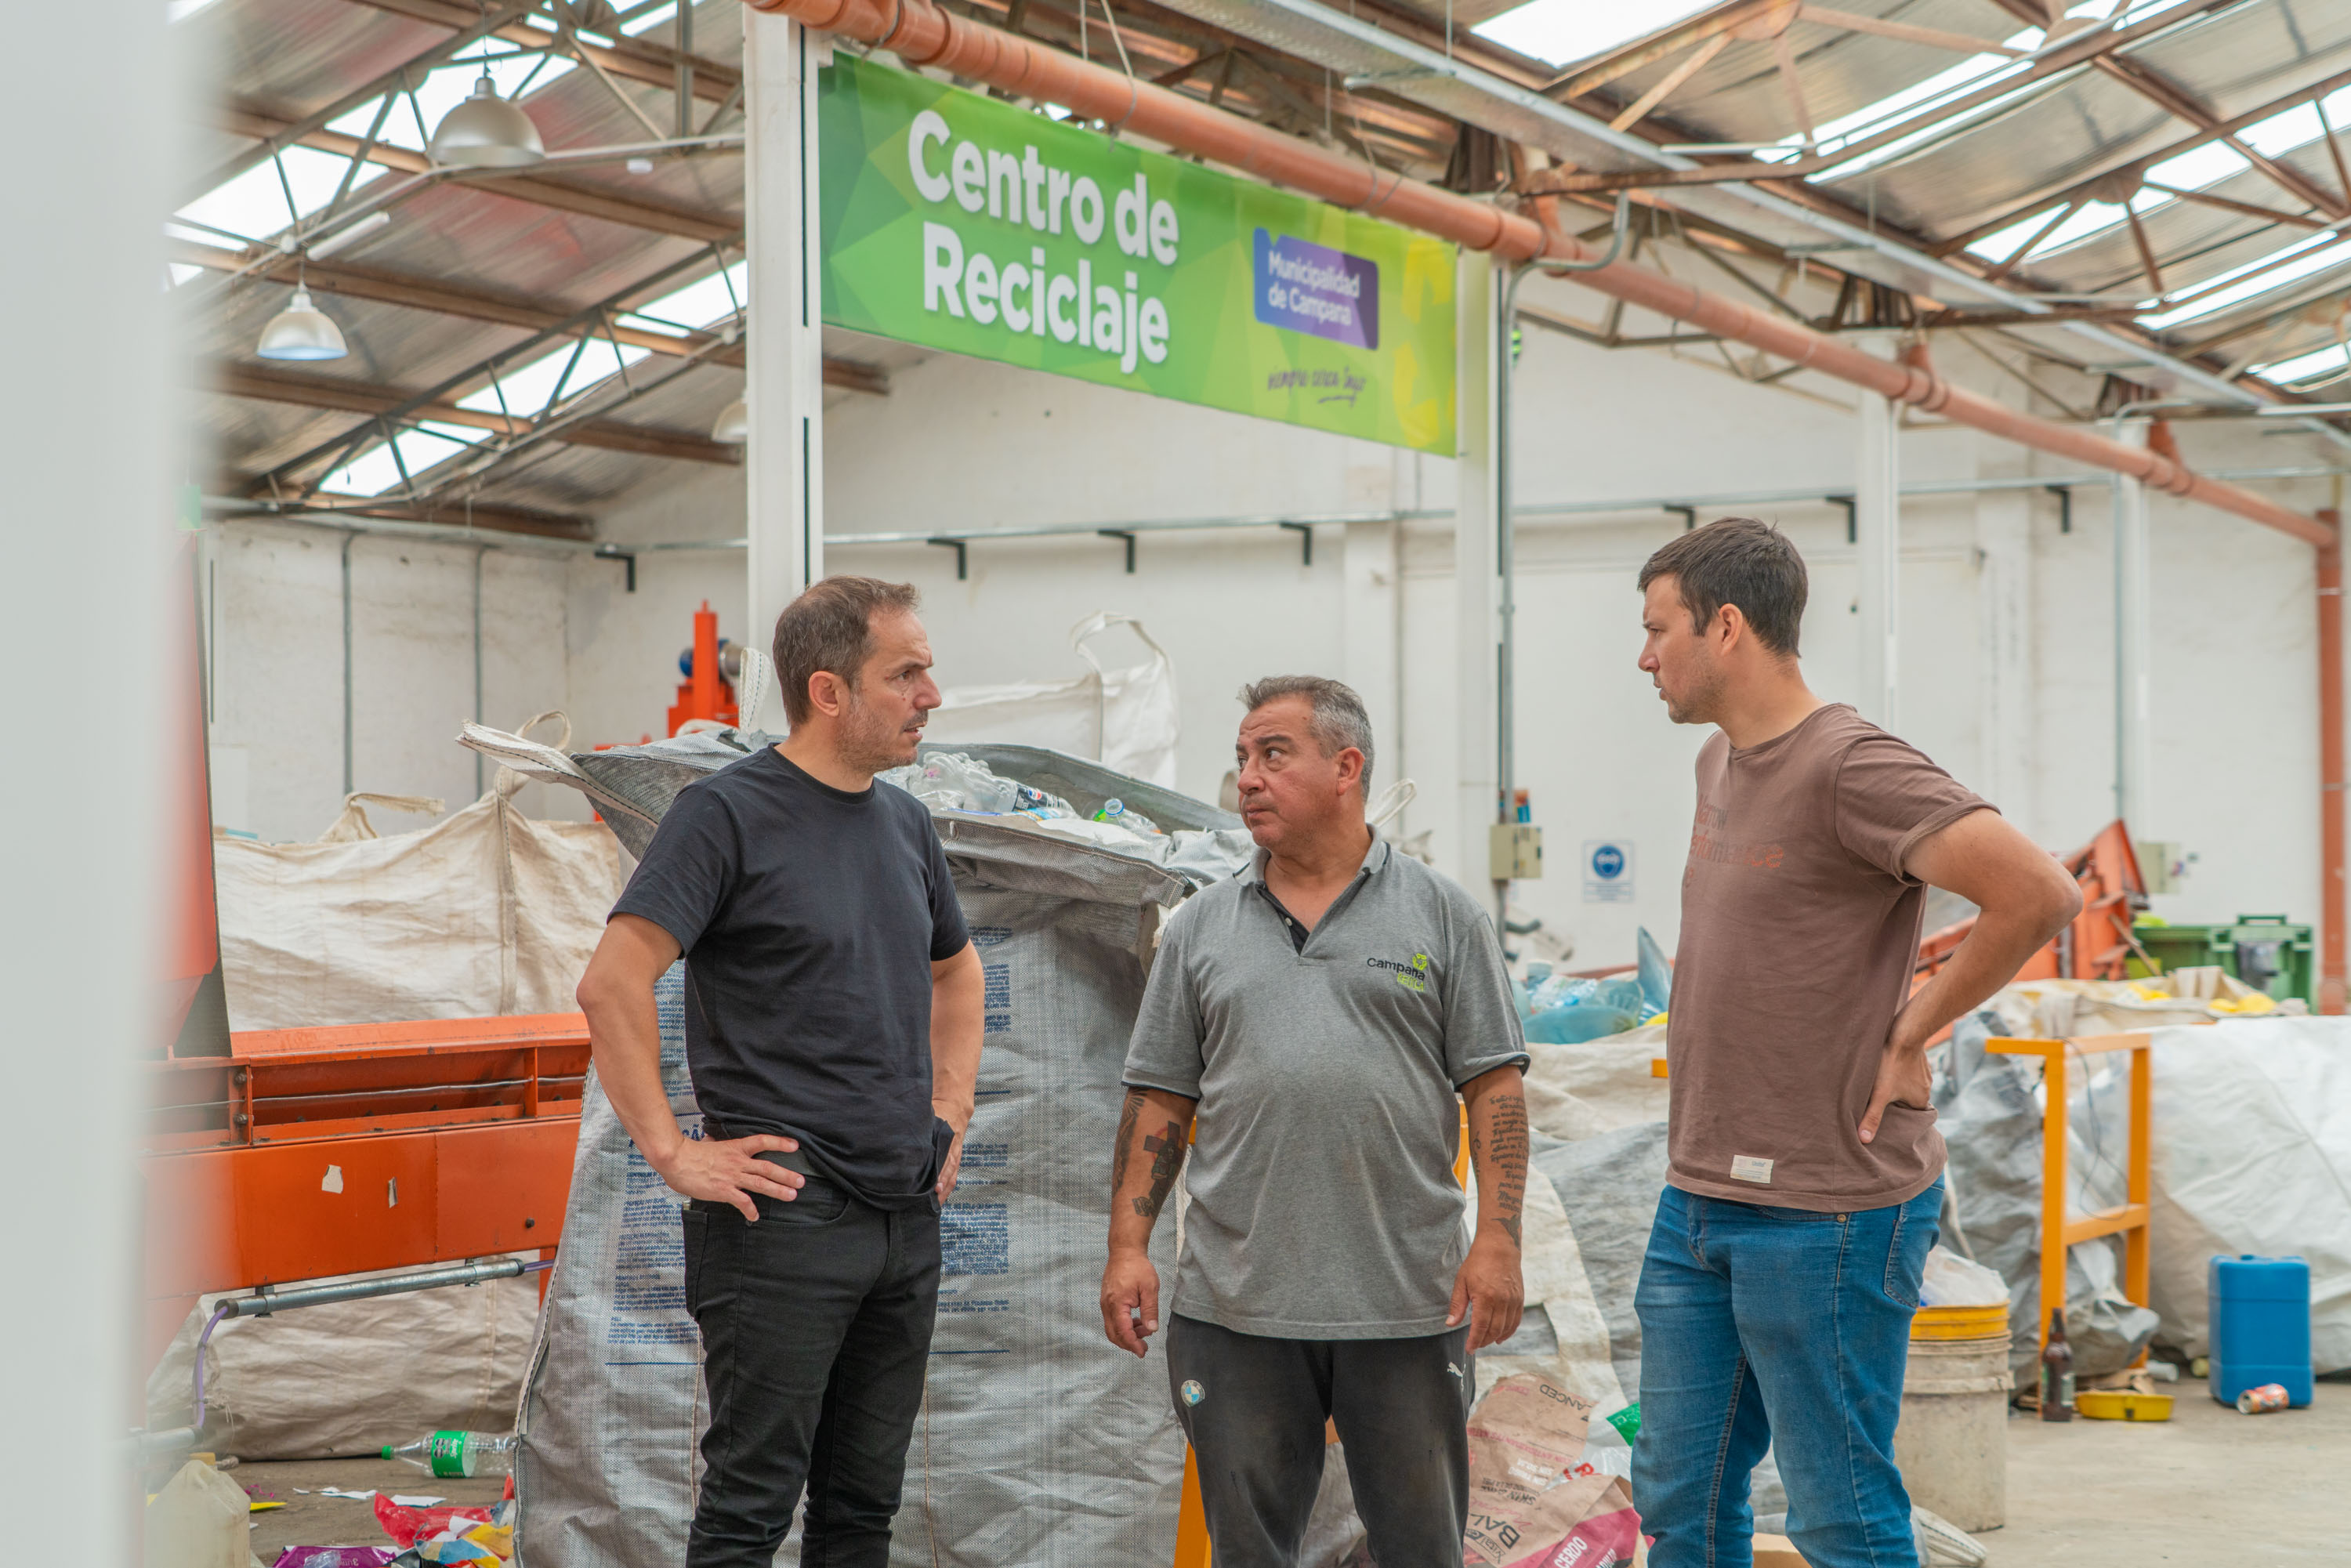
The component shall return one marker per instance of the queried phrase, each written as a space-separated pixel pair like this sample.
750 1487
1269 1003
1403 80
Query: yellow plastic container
1959 1322
2120 1405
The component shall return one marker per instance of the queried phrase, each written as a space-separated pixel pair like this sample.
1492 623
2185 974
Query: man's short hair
1341 719
830 627
1741 561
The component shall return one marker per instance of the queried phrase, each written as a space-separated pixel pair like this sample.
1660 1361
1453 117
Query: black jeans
816 1329
1254 1407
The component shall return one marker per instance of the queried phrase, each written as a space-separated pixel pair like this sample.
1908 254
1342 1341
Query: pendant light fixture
734 427
486 132
301 332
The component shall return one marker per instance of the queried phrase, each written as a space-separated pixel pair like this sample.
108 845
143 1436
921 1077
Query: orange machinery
2100 938
306 1153
706 692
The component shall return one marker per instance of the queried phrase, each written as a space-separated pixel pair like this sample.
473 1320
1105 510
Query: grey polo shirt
1322 1198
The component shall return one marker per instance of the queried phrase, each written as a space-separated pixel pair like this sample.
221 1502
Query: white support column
1878 531
784 351
1369 641
2133 750
1477 633
2004 632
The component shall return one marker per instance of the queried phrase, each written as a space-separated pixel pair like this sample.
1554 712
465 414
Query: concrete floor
2208 1486
315 1521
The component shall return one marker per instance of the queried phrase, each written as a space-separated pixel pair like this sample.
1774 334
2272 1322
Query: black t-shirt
809 917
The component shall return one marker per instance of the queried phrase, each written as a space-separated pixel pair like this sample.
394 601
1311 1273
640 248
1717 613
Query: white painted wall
274 595
2006 667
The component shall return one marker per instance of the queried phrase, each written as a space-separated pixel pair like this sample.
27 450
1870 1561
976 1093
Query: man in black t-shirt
832 1026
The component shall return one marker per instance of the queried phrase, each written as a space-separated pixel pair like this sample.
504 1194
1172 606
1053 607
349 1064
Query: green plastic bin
2265 950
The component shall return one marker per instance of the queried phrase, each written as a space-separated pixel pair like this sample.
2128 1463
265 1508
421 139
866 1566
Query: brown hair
1741 561
1341 719
829 629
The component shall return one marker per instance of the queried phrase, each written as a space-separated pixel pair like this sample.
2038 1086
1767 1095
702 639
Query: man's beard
871 742
1700 700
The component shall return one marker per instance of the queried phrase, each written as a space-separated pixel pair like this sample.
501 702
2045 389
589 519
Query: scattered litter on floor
354 1496
1527 1505
418 1502
335 1557
477 1532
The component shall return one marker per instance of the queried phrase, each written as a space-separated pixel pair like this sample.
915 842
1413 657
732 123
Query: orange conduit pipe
921 34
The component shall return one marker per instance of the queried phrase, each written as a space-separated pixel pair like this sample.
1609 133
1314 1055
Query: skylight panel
704 303
2302 367
528 390
1561 31
253 204
376 470
2200 166
2319 254
646 23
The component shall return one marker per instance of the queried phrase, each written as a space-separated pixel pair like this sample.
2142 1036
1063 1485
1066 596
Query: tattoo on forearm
1128 1115
1166 1148
1506 1144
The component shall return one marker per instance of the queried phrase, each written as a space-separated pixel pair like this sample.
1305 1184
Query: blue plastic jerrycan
2260 1325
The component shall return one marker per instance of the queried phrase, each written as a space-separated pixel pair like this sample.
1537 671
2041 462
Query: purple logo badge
1308 288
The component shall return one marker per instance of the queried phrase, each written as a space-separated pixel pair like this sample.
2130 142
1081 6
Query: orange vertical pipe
705 661
2330 772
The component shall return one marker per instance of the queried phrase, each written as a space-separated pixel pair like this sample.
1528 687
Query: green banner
962 222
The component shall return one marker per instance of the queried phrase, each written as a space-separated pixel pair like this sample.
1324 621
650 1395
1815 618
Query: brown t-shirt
1800 930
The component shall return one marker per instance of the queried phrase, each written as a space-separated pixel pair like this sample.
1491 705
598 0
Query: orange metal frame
2095 946
333 1150
2060 1230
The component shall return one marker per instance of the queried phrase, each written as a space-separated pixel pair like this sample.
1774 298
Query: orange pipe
921 34
2331 983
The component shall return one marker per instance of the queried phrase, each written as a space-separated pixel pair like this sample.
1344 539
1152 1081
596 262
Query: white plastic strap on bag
352 825
505 786
1393 800
757 673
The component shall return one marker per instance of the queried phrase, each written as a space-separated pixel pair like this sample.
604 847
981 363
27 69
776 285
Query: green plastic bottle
457 1454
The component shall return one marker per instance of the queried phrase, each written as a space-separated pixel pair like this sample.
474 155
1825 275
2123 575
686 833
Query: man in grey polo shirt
1319 1013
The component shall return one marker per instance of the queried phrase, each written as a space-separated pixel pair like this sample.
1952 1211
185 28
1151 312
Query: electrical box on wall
1516 851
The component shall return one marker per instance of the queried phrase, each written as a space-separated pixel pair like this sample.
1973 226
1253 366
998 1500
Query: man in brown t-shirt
1804 1172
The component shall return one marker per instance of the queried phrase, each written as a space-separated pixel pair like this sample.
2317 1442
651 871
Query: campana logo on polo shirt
1411 976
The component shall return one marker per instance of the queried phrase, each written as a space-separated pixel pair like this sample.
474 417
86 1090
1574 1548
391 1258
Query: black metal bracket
1305 532
1852 515
2064 507
1689 513
626 557
1122 533
962 560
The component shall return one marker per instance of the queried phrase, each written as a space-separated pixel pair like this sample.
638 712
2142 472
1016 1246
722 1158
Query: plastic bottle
457 1453
2056 1370
1114 811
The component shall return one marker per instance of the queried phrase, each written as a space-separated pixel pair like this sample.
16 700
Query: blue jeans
1781 1328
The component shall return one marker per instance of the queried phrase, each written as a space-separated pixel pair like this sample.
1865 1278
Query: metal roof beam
538 189
270 146
1317 31
272 383
639 59
357 281
2085 189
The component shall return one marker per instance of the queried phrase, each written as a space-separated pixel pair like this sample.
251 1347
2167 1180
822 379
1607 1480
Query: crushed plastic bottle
457 1453
1115 812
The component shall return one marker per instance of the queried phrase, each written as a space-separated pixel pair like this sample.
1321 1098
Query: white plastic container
1951 1444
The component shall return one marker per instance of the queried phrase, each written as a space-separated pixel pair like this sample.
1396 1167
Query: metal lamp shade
301 332
487 132
734 427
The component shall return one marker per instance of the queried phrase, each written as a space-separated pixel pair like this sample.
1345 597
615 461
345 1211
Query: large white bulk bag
1123 719
489 912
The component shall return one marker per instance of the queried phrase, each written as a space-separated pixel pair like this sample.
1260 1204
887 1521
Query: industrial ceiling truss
2153 191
